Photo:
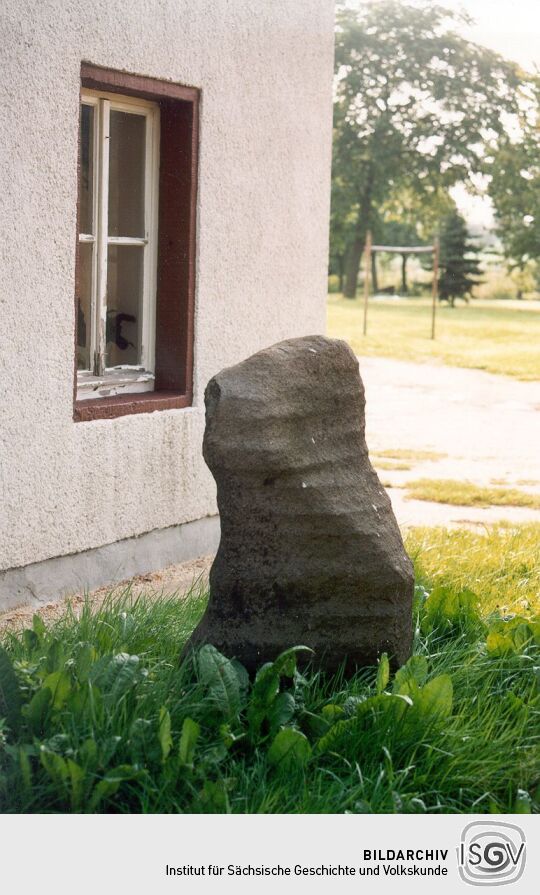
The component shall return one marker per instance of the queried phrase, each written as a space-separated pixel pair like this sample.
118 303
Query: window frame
170 276
103 381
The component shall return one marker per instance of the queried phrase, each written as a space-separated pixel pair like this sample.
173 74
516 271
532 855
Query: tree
397 233
515 186
341 226
412 219
459 268
416 105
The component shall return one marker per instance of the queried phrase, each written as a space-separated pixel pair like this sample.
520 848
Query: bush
333 283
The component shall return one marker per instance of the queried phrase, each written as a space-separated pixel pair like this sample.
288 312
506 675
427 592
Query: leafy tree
459 269
411 218
515 186
395 232
341 228
416 106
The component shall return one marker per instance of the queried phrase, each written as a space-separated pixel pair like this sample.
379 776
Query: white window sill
119 381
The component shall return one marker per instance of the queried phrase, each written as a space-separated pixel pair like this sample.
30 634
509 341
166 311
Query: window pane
126 174
84 305
124 304
86 177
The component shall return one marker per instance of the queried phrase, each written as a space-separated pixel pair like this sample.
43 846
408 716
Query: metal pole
367 272
435 287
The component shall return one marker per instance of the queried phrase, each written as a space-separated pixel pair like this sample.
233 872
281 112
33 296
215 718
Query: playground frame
402 250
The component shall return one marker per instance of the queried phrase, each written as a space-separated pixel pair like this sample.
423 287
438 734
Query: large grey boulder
310 550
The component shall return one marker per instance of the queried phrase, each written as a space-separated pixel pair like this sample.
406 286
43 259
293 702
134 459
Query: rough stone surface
310 550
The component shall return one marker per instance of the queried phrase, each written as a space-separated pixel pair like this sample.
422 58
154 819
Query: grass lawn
467 494
402 458
482 335
99 715
408 454
501 565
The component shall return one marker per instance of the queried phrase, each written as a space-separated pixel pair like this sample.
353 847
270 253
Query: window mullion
102 233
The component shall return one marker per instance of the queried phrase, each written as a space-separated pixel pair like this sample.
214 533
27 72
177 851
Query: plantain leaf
264 691
188 742
55 766
332 740
116 675
436 698
383 709
281 711
165 738
499 645
332 713
285 663
219 675
383 673
59 684
88 754
30 640
215 795
414 671
77 779
289 749
110 784
37 710
446 608
55 656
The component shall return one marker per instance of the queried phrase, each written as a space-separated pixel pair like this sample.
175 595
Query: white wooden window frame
102 381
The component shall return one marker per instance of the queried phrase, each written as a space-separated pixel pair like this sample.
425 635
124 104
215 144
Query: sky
512 28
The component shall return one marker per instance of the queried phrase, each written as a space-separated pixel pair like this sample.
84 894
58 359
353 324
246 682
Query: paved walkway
487 426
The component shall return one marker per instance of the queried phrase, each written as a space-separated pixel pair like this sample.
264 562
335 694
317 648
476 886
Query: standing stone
310 549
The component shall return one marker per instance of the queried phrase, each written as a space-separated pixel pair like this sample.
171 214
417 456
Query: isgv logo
491 853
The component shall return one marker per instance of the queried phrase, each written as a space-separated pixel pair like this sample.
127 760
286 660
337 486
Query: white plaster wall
265 70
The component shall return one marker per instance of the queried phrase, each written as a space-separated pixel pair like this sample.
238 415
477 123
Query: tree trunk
354 255
352 268
404 286
374 278
341 272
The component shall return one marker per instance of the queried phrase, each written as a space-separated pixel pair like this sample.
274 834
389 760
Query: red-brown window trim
179 137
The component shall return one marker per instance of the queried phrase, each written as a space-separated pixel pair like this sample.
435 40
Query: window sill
125 405
117 381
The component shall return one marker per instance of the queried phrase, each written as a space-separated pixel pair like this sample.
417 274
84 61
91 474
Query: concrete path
487 426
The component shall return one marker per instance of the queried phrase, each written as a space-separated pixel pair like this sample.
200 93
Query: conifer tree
459 266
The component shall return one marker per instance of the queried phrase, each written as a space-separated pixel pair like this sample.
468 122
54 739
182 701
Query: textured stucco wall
265 73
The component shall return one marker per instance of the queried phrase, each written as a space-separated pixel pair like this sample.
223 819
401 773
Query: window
135 244
117 245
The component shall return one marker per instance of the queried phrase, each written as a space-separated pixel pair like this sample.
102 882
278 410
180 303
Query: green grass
102 716
417 456
397 465
467 494
480 335
500 564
